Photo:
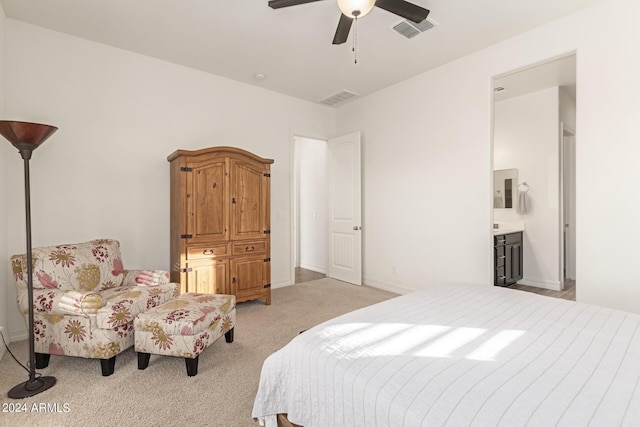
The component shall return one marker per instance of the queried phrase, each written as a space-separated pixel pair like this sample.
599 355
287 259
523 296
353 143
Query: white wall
526 137
313 217
426 210
4 154
120 114
427 159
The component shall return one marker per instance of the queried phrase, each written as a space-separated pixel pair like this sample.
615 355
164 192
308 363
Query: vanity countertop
501 231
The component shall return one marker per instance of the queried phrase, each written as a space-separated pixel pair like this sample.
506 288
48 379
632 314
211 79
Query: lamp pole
26 137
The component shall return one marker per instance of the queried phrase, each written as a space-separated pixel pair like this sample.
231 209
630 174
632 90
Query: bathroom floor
569 292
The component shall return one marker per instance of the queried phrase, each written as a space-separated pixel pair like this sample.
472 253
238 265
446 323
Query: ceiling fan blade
342 32
404 9
277 4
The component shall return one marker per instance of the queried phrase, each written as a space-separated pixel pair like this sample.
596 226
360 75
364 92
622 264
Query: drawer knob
207 252
249 249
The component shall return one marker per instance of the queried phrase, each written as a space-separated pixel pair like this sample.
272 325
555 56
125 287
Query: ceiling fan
354 9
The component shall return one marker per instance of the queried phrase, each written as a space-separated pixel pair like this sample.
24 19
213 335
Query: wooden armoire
220 222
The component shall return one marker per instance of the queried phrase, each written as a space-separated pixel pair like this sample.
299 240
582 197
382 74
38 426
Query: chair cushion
91 266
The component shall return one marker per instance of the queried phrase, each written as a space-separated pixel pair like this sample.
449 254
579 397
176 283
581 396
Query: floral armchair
84 301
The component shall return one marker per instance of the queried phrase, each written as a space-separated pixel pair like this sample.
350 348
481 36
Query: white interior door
345 205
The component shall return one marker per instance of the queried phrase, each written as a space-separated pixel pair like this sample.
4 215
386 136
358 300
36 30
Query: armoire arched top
222 151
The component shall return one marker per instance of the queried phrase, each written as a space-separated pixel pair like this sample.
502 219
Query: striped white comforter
460 355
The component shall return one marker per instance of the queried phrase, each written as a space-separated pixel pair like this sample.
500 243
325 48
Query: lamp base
31 388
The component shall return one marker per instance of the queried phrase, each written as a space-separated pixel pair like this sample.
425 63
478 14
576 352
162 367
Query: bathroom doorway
530 105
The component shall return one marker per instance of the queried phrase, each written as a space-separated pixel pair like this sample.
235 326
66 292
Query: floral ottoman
184 327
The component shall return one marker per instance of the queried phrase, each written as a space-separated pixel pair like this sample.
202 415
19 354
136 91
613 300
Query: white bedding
460 355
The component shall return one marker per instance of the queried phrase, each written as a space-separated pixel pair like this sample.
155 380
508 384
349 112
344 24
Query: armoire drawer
249 247
201 252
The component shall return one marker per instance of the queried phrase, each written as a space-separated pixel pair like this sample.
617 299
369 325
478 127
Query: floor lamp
26 137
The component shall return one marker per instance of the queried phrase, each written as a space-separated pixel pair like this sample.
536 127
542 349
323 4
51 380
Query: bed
459 355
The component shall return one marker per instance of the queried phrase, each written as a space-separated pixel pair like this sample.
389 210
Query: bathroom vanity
507 257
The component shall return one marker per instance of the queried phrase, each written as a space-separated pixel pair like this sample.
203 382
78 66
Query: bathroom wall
568 108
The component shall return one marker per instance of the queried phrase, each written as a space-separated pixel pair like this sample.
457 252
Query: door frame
560 230
565 131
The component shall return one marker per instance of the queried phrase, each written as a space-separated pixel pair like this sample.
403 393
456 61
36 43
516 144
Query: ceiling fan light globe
360 7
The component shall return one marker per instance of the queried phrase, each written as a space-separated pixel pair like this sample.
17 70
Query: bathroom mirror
505 182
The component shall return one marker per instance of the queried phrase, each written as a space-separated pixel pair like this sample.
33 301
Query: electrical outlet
394 269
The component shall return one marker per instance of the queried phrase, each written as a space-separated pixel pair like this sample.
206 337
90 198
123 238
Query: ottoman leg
228 336
192 366
143 360
42 360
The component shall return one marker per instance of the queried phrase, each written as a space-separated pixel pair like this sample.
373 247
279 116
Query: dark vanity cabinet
507 258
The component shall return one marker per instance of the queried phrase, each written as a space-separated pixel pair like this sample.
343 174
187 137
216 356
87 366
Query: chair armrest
145 277
56 301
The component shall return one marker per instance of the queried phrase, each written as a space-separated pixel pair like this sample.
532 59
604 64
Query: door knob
356 228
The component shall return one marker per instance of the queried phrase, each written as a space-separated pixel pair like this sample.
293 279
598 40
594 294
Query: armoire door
249 201
207 201
208 277
249 276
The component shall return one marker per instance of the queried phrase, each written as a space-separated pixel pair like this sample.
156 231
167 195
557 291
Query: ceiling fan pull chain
355 42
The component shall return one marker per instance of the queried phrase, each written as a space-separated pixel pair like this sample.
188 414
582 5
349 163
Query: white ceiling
292 46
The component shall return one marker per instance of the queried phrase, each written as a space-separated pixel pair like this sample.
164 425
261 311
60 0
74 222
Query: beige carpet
163 395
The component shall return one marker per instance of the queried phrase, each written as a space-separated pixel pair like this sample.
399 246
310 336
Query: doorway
310 201
530 105
327 207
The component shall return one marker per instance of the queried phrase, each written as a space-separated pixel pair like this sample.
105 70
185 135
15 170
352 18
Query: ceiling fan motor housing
356 8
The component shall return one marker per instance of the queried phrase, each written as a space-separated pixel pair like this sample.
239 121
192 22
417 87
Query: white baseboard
281 284
544 284
387 286
19 336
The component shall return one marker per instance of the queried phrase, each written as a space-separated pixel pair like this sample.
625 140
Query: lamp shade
25 136
356 8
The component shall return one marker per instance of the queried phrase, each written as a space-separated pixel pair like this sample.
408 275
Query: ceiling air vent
409 29
337 98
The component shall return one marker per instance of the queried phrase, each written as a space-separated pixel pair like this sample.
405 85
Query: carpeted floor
163 395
